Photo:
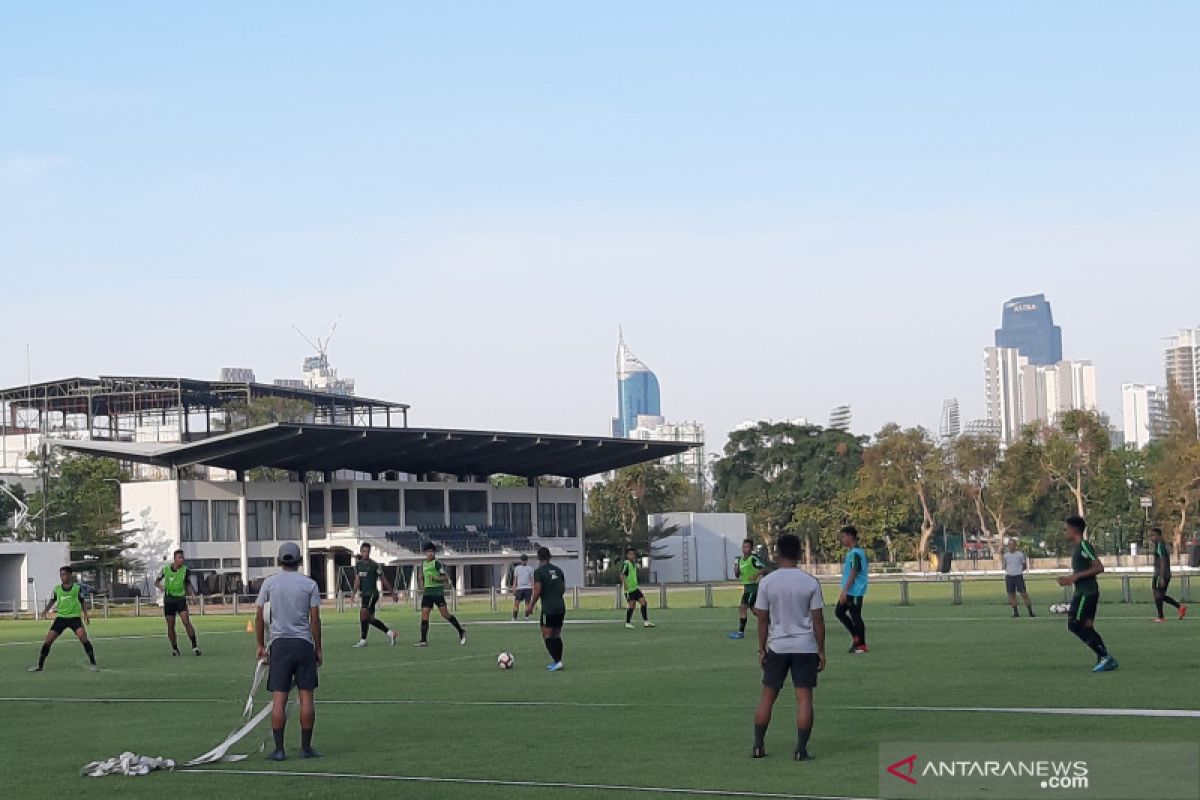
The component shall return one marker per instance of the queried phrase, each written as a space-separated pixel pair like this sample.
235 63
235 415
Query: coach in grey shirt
791 638
295 650
1015 566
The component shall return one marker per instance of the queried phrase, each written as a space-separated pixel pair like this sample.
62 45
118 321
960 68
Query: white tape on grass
1170 713
605 787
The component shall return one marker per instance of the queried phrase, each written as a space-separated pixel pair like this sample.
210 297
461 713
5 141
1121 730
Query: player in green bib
748 568
175 585
434 580
549 585
633 595
67 600
367 575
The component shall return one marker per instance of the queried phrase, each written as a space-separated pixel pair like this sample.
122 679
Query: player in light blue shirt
854 589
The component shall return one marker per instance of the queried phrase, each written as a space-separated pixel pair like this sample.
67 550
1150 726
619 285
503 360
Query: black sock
278 734
742 625
1093 640
192 636
628 615
424 629
1015 614
363 626
760 735
42 657
645 615
1169 601
91 652
454 621
802 735
306 738
514 613
1158 603
376 623
549 642
556 648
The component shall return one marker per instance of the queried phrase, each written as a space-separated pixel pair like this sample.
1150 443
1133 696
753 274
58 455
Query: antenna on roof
321 345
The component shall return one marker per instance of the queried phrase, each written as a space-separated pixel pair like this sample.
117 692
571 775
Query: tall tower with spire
637 390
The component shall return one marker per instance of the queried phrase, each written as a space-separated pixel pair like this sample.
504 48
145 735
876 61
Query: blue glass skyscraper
1028 325
637 391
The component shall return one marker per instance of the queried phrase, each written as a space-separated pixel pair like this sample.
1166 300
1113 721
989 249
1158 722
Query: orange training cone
249 626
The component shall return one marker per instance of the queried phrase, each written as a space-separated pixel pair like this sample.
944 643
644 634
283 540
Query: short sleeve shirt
1014 563
523 575
1162 559
368 576
291 595
1083 558
856 557
789 596
554 585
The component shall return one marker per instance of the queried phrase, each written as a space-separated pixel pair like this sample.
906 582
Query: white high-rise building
1182 357
236 375
951 425
1143 413
1002 372
656 429
1020 393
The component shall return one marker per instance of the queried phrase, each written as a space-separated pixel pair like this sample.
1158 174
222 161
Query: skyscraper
1027 325
840 418
1002 368
1182 356
637 391
1020 393
951 425
1143 414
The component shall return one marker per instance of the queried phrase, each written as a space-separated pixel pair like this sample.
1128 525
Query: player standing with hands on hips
633 595
175 585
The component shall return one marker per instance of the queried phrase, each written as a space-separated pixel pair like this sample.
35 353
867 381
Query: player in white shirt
1015 567
523 587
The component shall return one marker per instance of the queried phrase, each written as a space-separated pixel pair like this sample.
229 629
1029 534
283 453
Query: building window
316 508
225 523
378 507
468 507
339 508
259 562
500 516
424 508
193 520
546 526
567 524
204 563
521 518
288 526
231 563
259 519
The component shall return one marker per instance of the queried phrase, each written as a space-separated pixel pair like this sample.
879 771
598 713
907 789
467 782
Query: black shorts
553 620
431 600
803 667
749 594
369 601
174 605
61 624
1014 584
522 595
634 596
1162 584
293 665
1083 608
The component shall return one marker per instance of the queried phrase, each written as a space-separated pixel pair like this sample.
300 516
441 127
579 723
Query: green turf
683 696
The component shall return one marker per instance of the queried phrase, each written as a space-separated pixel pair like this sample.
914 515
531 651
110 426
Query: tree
1015 485
11 498
258 411
905 464
1175 470
1072 453
618 508
973 460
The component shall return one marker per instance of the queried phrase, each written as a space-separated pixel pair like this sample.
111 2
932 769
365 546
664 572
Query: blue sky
787 205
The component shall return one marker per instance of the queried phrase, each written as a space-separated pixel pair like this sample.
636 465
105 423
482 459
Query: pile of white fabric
130 764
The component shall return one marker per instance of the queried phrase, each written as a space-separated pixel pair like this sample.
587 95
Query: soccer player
434 594
523 580
366 580
633 595
854 589
295 650
72 614
549 586
1015 567
791 638
1085 566
174 584
749 568
1162 576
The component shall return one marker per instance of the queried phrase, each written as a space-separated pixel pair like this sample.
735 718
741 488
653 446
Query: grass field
668 707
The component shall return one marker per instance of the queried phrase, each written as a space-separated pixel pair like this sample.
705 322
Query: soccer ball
1058 608
505 660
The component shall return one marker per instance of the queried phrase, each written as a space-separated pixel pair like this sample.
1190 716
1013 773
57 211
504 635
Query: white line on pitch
1074 712
609 787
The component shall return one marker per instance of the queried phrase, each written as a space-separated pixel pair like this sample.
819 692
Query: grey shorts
523 595
1014 584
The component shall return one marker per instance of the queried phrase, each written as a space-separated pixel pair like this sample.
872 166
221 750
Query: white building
951 422
840 418
1143 414
1019 393
702 549
747 424
29 571
1002 368
236 375
689 463
1182 360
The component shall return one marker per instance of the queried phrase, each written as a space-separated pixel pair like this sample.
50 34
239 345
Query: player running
633 595
434 594
854 589
791 638
549 585
1162 576
1085 566
72 614
175 585
523 581
367 575
749 568
1015 567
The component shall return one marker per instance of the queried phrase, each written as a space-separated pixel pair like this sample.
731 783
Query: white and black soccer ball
1058 608
505 660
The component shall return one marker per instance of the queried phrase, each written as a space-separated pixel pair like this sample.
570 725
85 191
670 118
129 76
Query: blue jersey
855 558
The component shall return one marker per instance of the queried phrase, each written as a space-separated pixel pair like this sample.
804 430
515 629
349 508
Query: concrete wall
712 542
22 561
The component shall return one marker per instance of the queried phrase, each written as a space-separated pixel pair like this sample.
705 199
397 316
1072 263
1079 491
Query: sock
742 625
306 738
1015 614
42 657
91 652
1169 601
363 626
192 636
645 615
1093 640
549 642
278 734
556 648
1158 603
760 734
454 621
376 623
424 629
802 735
628 615
514 613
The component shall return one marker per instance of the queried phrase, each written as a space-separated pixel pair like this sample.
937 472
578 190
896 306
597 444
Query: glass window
339 508
231 563
424 507
260 561
468 507
567 524
316 508
288 525
500 516
204 563
193 520
225 527
378 507
522 518
546 526
259 518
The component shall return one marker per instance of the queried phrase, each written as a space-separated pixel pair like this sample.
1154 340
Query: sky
787 206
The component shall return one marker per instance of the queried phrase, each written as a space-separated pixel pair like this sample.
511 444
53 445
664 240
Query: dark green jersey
368 576
1162 559
553 586
432 570
1083 558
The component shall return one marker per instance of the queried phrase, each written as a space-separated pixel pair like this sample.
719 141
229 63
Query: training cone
249 626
